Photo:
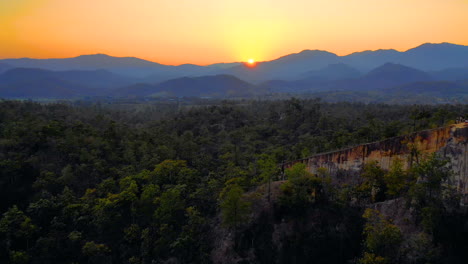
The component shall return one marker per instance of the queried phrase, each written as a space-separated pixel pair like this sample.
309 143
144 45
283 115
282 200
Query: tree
19 257
296 171
395 179
374 183
16 227
302 188
234 208
382 239
173 172
268 169
95 252
171 206
429 195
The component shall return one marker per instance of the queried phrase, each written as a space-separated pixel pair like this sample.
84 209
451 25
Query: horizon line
240 62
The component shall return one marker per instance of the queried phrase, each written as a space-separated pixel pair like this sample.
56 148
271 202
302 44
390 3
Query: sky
210 31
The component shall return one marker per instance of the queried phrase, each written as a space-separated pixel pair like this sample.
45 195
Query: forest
158 182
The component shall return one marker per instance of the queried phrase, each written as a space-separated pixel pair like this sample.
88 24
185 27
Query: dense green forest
148 182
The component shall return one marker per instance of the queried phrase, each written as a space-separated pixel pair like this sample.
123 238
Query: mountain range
205 86
438 66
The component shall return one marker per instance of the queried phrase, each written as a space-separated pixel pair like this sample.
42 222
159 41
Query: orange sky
210 31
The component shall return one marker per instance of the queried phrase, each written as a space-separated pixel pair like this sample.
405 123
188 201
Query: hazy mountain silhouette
4 67
129 66
450 74
285 68
338 71
38 84
391 74
83 62
122 65
184 70
101 79
89 82
385 76
307 71
24 74
206 86
367 60
431 57
427 57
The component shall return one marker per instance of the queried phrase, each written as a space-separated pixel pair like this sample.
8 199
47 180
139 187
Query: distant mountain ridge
385 76
4 67
426 57
338 71
37 83
438 66
130 66
40 83
206 86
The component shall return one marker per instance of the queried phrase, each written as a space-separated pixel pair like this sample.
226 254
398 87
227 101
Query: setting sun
251 63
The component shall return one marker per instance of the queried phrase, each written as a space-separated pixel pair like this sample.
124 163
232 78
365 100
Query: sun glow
251 63
179 32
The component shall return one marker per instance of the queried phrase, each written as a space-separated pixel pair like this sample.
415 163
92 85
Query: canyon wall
449 142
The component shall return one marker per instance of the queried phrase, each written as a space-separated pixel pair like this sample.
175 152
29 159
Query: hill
4 67
36 83
426 57
309 71
385 76
33 82
389 75
338 71
129 66
205 86
450 74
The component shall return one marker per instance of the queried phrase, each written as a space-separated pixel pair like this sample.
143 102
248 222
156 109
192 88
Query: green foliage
132 233
19 257
171 172
94 249
373 186
371 258
303 188
149 193
235 209
171 206
382 239
429 196
297 171
146 181
395 179
16 228
75 236
268 168
432 173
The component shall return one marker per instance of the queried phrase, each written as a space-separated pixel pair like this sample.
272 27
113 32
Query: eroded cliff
449 142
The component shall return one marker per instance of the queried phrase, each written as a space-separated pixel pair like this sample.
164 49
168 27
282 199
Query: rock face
449 142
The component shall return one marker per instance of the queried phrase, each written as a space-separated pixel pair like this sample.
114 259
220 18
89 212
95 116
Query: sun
251 63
